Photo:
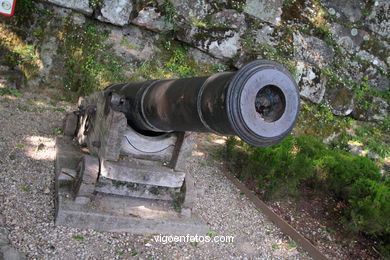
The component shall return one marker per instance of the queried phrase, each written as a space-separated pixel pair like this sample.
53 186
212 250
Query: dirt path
27 130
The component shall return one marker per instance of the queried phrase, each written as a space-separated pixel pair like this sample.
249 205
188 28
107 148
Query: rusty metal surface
259 103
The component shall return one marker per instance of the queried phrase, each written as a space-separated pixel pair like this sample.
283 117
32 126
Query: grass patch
11 92
16 52
211 233
119 252
24 188
78 237
58 131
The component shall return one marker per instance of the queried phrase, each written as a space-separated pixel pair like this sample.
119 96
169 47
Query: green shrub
344 169
370 207
283 169
281 166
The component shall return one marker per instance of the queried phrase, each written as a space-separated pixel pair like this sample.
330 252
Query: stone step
136 190
143 172
122 214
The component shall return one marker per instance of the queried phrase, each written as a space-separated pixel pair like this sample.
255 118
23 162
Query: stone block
81 6
9 253
143 172
183 149
116 11
4 236
266 10
190 192
70 124
135 190
88 175
122 214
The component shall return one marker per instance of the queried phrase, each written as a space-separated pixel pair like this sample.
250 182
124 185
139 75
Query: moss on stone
16 52
172 61
319 122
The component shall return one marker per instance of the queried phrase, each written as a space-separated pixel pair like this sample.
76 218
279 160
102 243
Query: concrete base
105 212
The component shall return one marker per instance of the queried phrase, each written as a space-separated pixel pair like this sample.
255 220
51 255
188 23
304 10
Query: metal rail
278 221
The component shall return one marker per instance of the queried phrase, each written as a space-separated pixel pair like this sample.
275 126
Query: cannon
121 165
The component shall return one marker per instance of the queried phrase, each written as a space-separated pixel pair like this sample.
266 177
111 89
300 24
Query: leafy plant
211 233
291 244
194 244
24 188
169 11
176 206
78 237
120 252
94 4
90 62
58 131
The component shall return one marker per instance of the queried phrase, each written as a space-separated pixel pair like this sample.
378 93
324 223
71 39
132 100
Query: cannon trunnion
121 165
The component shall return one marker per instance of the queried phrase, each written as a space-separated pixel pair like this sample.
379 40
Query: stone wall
338 51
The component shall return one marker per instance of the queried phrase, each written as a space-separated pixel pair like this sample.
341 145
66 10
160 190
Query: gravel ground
27 130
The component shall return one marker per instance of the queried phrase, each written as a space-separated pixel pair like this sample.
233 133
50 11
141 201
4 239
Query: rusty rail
278 221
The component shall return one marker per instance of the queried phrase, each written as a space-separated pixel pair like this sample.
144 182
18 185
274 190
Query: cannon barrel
259 103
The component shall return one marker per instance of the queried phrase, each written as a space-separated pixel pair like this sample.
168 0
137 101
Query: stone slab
69 124
116 11
142 171
121 214
68 156
81 6
136 190
9 253
266 10
190 193
183 148
88 176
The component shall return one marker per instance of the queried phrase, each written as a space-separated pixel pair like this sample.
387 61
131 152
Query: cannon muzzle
259 103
